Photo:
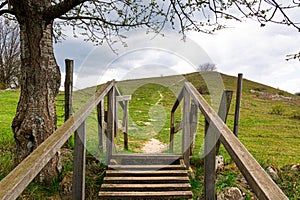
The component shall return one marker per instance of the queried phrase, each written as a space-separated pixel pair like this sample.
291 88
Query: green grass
269 129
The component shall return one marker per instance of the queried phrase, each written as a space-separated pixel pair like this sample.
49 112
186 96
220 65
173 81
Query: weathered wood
141 156
147 179
146 187
257 178
193 125
209 162
100 119
147 195
125 124
186 139
238 105
223 112
68 88
124 98
17 180
147 167
172 132
110 124
78 180
146 173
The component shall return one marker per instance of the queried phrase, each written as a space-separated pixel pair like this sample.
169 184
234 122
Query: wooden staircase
146 176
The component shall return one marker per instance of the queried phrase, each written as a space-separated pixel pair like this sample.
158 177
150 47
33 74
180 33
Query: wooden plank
149 195
257 178
123 98
193 125
223 111
172 132
147 179
125 124
68 88
78 180
186 140
146 167
209 162
110 124
100 119
146 187
147 156
18 179
147 173
238 105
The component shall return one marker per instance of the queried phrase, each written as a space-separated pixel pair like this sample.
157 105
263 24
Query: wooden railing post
100 118
68 88
223 112
238 105
78 181
209 162
110 124
125 124
172 132
193 124
186 140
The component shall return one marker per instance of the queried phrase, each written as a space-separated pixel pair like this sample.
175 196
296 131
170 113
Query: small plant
296 115
277 110
281 93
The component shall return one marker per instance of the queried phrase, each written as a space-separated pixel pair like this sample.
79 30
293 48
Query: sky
257 52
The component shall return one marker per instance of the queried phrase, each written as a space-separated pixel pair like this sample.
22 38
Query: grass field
269 128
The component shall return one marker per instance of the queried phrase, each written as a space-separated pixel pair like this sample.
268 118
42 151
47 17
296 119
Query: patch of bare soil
154 146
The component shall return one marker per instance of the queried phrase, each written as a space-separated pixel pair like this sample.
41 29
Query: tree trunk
35 118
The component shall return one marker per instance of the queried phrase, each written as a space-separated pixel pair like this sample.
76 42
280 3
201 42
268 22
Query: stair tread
147 186
146 172
144 194
145 167
147 179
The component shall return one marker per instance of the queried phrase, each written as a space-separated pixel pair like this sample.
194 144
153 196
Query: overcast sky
259 53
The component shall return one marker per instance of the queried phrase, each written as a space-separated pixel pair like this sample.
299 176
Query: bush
202 89
297 93
277 110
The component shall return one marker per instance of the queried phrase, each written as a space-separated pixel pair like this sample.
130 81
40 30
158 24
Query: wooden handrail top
18 179
257 178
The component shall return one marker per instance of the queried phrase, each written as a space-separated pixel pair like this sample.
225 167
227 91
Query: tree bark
35 118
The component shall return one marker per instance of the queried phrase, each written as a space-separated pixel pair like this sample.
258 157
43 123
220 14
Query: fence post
209 162
238 105
186 140
194 124
78 180
68 88
223 111
172 132
100 118
110 124
125 124
68 91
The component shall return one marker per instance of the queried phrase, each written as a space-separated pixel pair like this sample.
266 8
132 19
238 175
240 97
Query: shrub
277 110
202 89
297 93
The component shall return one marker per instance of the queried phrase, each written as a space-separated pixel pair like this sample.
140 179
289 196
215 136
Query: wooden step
146 187
147 167
147 159
146 195
146 179
146 173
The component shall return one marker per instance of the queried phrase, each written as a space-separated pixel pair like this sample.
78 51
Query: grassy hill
269 123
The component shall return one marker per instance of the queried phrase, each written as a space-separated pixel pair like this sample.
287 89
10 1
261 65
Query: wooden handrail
18 179
257 178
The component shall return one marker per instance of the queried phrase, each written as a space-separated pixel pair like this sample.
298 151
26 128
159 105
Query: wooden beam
257 178
209 162
110 124
238 105
78 180
186 139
